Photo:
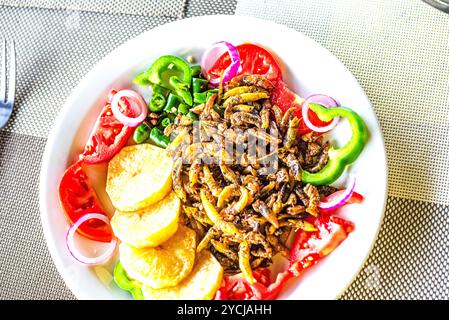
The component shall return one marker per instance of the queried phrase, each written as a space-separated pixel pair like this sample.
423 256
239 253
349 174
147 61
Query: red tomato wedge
236 287
108 136
310 247
79 198
285 99
254 60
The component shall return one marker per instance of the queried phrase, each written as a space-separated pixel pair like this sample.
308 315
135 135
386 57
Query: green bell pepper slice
142 79
124 282
344 156
173 73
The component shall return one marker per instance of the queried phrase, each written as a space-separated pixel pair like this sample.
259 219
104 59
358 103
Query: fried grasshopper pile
238 173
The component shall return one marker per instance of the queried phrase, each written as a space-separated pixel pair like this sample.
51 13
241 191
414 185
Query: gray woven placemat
170 8
399 52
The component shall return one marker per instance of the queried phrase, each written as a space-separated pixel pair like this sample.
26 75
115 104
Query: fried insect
209 180
238 206
278 114
262 208
292 131
227 194
205 242
194 172
245 98
287 117
314 199
242 89
245 118
177 180
244 262
238 174
228 174
251 80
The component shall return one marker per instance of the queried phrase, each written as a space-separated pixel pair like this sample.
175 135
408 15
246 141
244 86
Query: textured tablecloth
397 49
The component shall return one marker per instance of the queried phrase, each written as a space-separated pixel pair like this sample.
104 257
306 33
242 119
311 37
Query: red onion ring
137 104
76 253
209 58
325 101
340 199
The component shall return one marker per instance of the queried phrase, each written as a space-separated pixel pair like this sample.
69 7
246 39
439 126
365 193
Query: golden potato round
150 226
162 266
200 284
139 176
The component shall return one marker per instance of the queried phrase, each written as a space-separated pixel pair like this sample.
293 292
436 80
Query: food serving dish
306 66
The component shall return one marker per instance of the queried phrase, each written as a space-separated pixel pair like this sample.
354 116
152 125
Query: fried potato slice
138 176
162 266
200 284
150 226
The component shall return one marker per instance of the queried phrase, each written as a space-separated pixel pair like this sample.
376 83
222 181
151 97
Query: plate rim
86 79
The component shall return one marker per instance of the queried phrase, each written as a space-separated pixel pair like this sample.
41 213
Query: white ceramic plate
307 67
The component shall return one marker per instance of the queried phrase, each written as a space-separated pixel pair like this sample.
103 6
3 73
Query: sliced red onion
137 104
325 101
215 51
111 94
104 257
340 199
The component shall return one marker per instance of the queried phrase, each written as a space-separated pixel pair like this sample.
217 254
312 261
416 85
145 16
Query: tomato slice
310 247
108 136
236 287
285 98
79 198
254 60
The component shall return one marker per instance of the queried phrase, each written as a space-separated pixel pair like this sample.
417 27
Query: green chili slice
196 70
160 90
183 109
192 115
124 282
157 102
199 85
173 102
141 133
158 138
199 97
165 122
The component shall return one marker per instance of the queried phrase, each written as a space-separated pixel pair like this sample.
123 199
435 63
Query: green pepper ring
340 158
